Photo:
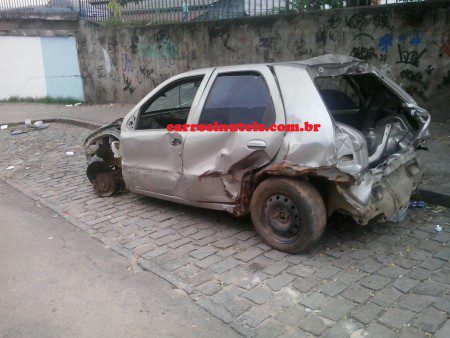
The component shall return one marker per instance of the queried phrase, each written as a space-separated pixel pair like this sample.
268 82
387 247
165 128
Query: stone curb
428 196
434 197
213 309
74 122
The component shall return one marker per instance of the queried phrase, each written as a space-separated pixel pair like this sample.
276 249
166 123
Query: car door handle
256 144
175 142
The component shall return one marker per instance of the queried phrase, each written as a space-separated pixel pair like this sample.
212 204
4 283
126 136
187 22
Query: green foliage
112 22
124 2
307 5
116 22
114 7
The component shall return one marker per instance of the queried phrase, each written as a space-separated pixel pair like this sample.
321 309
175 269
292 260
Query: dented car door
214 163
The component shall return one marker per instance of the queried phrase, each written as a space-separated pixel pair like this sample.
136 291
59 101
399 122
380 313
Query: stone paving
382 280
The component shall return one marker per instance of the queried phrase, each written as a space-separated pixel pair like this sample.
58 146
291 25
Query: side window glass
239 97
170 106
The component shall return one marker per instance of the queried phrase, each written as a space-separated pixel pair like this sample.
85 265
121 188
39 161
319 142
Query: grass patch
45 100
108 23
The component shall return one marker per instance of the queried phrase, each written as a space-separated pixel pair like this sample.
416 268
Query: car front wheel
288 214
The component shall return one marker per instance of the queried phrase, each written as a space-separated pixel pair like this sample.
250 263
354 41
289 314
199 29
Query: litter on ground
39 125
416 204
18 132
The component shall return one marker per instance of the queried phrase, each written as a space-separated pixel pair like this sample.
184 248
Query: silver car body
219 170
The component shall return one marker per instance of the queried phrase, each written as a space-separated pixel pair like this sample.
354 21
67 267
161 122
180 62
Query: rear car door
214 163
151 155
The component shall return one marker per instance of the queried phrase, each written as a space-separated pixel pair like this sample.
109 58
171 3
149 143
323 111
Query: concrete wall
21 67
39 58
39 67
28 26
62 72
409 40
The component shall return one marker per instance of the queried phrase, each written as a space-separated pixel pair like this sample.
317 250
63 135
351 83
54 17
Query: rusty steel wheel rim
105 184
282 218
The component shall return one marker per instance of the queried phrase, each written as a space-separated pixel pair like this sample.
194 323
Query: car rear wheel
288 214
105 184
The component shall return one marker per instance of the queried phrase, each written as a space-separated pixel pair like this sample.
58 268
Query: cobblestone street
382 280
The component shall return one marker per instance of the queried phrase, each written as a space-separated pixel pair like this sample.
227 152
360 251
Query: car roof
322 60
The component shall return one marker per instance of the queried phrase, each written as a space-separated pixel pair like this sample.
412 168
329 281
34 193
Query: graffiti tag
409 57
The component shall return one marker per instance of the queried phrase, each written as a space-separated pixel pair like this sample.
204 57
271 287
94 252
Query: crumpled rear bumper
384 191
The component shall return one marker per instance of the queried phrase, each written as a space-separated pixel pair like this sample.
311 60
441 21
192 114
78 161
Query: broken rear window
239 97
357 100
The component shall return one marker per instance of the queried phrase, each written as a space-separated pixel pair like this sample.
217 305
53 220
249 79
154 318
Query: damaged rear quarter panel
303 103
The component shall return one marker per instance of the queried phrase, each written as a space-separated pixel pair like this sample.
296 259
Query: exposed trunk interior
365 103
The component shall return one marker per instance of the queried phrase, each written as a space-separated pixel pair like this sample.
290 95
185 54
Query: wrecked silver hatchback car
361 162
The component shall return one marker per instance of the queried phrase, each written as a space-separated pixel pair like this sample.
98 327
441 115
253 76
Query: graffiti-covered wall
410 41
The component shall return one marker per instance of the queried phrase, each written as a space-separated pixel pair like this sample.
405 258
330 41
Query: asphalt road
57 281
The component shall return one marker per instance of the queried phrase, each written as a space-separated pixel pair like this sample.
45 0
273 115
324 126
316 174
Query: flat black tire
288 214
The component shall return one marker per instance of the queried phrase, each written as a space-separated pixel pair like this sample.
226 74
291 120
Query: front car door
151 155
214 163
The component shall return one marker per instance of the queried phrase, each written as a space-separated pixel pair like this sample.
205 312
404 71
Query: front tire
105 184
288 214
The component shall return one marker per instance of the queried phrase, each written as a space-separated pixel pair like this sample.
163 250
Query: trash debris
18 132
3 126
27 121
439 208
416 204
438 228
68 105
50 238
398 216
39 125
77 104
24 128
10 167
42 126
70 153
20 129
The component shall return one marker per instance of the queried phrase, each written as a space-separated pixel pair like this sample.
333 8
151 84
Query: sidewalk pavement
435 189
58 282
